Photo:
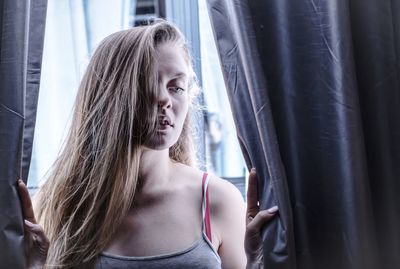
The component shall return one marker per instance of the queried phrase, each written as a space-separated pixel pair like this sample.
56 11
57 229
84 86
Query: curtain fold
256 132
315 93
21 34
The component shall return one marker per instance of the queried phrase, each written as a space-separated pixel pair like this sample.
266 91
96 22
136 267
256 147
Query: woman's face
173 99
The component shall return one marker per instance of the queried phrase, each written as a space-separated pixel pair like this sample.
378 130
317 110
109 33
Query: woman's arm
238 228
228 222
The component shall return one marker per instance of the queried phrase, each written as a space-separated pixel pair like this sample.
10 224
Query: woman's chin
161 142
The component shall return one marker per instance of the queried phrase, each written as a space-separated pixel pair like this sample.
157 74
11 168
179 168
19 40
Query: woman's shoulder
221 190
187 173
223 194
227 210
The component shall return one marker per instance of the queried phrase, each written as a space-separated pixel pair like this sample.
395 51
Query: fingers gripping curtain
21 34
315 93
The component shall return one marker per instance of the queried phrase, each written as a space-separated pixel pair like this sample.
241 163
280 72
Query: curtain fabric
314 88
21 35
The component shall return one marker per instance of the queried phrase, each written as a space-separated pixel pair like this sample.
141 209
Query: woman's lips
164 126
164 121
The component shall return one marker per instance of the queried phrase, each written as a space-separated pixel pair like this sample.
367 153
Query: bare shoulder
228 222
227 207
224 194
187 173
188 179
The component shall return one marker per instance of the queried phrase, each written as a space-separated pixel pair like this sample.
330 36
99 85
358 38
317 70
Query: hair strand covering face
92 184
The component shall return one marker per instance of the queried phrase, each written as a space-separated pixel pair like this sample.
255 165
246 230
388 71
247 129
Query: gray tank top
201 255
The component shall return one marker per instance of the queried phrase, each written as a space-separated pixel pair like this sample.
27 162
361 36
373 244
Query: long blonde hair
92 184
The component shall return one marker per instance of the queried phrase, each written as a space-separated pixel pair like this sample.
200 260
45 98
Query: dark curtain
314 88
21 35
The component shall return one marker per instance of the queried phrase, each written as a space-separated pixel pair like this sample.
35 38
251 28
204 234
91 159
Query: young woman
124 192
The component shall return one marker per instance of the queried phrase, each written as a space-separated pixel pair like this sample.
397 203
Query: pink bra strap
206 208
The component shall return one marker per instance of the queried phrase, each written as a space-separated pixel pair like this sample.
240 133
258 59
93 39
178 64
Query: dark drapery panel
21 35
315 93
253 118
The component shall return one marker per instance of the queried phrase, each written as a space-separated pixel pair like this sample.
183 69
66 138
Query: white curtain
73 29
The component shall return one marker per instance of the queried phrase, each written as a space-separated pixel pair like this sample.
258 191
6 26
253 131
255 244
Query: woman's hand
255 219
38 244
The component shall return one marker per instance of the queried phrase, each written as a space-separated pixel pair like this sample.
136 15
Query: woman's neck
154 169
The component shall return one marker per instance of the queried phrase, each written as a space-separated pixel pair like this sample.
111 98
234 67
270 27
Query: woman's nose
164 99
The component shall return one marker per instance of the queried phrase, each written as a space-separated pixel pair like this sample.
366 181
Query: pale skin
166 214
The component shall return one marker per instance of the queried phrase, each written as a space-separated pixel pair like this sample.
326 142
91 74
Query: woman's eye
176 89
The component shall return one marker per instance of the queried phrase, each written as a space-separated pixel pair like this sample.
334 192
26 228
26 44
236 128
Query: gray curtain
315 92
251 110
21 45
